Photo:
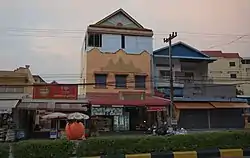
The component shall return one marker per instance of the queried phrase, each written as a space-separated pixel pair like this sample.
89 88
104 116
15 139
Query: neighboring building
21 77
245 67
199 101
14 86
227 69
117 71
190 66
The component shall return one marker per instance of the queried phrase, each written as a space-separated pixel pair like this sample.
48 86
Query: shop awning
55 105
113 99
7 105
36 106
227 105
193 105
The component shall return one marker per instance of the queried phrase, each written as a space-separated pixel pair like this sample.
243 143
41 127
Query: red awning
113 99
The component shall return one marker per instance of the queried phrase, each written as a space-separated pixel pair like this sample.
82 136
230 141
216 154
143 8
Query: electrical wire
228 43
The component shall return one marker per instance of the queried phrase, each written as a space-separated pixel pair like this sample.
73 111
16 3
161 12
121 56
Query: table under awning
193 105
6 106
228 105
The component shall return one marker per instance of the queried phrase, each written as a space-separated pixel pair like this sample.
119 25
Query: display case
104 124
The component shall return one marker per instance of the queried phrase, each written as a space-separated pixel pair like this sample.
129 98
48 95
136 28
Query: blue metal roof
181 50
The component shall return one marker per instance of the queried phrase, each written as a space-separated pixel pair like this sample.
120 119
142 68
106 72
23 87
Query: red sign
57 91
156 108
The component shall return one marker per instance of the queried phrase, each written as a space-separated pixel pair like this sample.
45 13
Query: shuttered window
140 82
101 80
121 81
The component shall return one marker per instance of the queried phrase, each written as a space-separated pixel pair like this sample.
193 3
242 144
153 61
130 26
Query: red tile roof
213 53
231 55
221 54
113 99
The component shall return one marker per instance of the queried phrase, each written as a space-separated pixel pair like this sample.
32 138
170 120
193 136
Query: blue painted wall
133 44
181 50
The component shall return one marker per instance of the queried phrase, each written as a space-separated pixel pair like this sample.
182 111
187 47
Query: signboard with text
55 91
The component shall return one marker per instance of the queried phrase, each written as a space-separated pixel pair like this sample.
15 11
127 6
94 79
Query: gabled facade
118 32
116 68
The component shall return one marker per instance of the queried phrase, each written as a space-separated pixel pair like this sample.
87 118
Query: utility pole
171 107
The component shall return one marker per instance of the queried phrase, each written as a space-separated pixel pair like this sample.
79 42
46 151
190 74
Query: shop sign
57 91
106 111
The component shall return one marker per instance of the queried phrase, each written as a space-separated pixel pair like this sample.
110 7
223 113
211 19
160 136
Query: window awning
7 105
227 105
193 105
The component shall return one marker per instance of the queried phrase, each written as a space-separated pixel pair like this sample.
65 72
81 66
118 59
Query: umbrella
55 115
77 116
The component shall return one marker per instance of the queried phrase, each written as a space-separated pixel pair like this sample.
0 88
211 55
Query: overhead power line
228 43
82 31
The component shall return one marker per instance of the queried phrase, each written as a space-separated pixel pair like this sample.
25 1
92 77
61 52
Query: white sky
60 52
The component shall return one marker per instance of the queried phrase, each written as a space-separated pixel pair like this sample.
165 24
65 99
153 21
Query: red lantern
75 130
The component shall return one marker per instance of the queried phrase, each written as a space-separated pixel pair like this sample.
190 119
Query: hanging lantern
75 131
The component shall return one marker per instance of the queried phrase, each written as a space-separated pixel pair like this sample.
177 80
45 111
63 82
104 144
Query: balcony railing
185 80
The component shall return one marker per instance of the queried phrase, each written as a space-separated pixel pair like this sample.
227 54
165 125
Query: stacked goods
10 136
2 134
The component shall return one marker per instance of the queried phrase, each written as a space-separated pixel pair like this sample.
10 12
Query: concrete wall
117 63
209 90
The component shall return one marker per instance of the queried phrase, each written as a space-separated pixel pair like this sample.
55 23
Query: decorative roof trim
122 12
180 43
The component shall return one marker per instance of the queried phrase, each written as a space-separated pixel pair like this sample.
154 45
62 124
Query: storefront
210 115
31 112
49 99
228 115
112 113
8 119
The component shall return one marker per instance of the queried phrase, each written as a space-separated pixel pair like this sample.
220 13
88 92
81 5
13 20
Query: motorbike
165 130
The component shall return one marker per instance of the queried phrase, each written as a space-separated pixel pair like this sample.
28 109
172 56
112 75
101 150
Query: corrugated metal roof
7 105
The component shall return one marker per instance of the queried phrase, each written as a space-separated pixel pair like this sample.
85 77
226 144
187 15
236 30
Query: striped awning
53 106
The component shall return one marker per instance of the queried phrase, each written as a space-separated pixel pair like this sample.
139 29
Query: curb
214 153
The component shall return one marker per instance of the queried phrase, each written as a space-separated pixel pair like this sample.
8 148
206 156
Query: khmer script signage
106 111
